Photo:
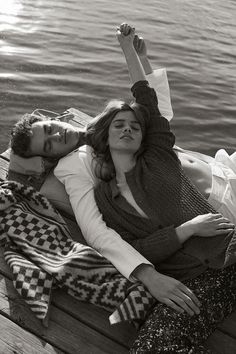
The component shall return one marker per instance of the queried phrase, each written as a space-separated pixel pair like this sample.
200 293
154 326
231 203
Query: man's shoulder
78 161
82 153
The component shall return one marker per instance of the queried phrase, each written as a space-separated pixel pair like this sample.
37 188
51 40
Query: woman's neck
123 163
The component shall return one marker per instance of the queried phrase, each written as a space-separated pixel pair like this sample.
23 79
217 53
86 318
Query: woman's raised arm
125 35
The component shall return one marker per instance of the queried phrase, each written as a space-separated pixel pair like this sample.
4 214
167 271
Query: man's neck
81 137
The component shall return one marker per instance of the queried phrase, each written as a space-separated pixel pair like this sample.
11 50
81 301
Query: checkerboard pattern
41 253
33 284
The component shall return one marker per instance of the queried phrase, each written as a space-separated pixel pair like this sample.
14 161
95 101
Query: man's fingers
190 294
185 303
173 305
189 305
140 44
183 298
135 39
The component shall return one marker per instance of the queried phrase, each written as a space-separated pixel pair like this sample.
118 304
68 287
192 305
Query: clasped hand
125 35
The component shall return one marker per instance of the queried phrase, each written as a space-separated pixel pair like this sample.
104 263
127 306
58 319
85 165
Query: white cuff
159 81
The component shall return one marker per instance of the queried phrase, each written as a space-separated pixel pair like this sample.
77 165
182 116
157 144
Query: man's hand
168 290
140 46
141 49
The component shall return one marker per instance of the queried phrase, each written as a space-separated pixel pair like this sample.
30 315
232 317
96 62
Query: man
76 171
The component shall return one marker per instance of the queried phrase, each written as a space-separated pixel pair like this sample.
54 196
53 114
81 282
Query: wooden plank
64 331
124 333
88 314
16 340
97 319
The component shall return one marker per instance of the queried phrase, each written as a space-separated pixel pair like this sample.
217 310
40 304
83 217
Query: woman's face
125 134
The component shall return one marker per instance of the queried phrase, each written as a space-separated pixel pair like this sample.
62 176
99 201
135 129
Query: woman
146 197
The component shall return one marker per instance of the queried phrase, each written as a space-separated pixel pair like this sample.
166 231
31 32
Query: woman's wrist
185 231
128 50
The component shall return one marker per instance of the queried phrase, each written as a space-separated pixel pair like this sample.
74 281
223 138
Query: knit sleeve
156 247
158 132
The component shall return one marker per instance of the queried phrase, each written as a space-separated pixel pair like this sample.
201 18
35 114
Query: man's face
52 138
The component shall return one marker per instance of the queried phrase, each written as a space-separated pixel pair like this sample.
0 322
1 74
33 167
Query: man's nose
56 136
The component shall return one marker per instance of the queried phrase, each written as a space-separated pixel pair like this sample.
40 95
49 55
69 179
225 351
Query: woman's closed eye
136 128
118 126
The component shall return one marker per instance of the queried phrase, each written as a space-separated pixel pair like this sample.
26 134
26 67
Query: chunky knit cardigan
168 198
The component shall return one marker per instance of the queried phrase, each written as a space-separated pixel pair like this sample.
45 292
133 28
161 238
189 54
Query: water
60 54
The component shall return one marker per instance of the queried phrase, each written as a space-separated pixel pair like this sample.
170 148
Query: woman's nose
127 128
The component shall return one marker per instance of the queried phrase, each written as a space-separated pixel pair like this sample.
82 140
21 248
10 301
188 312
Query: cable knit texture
168 198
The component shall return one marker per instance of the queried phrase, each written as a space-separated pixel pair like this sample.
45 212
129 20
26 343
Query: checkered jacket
41 254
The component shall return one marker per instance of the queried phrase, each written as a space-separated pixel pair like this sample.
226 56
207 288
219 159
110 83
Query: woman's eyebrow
122 120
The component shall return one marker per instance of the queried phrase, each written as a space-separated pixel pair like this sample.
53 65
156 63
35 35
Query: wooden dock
74 327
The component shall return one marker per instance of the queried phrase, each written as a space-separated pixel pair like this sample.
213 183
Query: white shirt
76 173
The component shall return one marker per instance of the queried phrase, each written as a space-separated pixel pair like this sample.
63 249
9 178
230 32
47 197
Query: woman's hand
205 225
168 290
211 225
125 35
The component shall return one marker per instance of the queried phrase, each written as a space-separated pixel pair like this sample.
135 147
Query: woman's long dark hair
97 134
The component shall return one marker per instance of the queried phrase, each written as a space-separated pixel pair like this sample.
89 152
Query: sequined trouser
167 331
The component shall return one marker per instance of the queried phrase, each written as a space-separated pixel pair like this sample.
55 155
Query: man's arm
80 189
156 78
76 173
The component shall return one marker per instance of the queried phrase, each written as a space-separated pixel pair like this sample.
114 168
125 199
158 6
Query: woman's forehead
125 116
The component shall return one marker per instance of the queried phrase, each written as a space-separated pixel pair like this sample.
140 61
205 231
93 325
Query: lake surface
61 54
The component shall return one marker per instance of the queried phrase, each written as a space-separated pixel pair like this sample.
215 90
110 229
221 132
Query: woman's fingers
226 225
126 29
222 231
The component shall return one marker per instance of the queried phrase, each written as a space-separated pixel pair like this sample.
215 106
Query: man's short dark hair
21 133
